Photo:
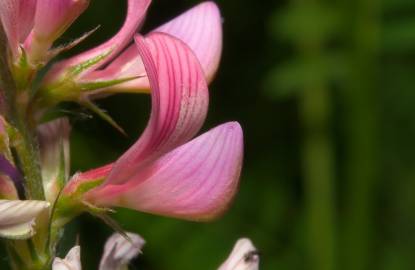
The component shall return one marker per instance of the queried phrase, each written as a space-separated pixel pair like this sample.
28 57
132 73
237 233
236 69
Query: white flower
244 256
72 260
17 218
119 251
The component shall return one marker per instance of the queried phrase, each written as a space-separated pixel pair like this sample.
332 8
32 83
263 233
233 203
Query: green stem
17 112
317 155
362 128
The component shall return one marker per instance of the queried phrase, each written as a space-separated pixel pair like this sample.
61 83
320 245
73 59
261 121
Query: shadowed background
324 93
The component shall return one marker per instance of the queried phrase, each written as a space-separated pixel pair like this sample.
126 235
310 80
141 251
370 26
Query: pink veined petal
135 15
201 29
9 15
179 102
195 181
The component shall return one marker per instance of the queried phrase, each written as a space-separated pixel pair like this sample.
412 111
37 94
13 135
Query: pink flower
163 172
34 25
104 70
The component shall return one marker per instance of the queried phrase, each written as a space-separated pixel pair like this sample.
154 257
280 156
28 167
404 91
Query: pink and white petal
201 29
135 14
179 102
196 181
9 16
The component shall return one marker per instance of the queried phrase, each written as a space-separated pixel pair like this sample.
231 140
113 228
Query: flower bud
244 256
119 251
52 18
54 150
72 260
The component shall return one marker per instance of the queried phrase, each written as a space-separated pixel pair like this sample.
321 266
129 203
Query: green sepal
94 85
78 69
105 116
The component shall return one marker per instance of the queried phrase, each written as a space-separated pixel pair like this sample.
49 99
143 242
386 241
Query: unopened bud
72 260
119 251
244 256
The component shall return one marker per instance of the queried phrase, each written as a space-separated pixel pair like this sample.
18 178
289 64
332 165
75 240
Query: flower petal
201 29
135 14
244 256
26 18
119 251
54 149
179 102
196 181
9 15
72 260
17 217
51 20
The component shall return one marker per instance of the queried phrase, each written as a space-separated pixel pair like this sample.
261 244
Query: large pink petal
201 29
195 181
179 102
135 14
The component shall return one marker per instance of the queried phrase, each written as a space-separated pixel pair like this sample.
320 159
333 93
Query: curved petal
244 256
195 181
135 14
179 102
201 29
17 217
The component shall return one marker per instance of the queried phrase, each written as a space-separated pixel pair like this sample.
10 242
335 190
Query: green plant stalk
16 105
318 174
318 169
362 128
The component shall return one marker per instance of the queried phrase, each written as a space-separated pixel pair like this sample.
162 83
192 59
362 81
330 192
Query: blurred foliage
324 92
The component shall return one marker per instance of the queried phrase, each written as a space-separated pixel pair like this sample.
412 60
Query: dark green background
324 93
